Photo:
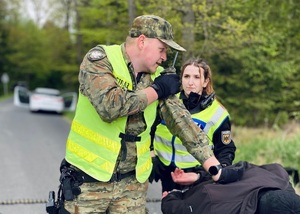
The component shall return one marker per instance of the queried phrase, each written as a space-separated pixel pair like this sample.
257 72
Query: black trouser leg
279 202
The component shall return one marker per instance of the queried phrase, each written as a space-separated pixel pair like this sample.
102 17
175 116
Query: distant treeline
252 46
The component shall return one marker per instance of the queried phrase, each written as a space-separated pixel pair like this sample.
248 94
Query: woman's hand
184 178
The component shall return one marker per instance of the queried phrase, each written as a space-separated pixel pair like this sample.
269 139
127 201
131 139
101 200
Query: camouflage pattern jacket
101 87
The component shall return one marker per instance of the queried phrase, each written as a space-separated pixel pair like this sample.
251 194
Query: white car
45 99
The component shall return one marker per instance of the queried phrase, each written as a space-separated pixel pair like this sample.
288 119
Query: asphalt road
31 149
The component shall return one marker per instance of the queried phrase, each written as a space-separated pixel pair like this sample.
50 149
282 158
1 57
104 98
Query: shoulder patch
226 137
95 55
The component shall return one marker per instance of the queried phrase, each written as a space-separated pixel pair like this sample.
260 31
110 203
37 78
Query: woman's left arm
224 147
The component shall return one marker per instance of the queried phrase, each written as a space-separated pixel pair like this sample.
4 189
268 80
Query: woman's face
193 80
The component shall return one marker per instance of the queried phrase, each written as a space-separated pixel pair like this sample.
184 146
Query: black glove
232 173
166 84
157 170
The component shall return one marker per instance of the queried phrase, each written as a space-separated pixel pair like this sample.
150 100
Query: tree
252 46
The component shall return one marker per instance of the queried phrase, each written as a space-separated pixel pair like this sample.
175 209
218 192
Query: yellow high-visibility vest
169 148
94 145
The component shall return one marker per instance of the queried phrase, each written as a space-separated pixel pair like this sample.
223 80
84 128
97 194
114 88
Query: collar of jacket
194 103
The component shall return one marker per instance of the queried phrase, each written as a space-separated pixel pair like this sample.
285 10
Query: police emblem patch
95 55
226 137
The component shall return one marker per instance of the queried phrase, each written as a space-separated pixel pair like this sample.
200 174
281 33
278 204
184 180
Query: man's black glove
232 173
167 84
157 170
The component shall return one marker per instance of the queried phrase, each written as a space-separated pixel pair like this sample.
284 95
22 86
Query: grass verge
267 145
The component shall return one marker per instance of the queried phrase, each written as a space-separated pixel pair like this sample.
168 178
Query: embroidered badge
95 55
226 137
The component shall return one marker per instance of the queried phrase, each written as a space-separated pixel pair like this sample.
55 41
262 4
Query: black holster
69 188
70 181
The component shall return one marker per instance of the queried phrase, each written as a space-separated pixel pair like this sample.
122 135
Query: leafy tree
4 50
3 37
99 25
252 46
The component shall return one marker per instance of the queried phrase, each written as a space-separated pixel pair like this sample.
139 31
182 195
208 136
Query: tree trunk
188 33
131 11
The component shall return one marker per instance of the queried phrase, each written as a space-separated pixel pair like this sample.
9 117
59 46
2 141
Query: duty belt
116 177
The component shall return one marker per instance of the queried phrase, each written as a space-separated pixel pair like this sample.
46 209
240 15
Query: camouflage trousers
126 196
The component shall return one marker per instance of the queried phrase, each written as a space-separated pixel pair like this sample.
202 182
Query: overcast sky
37 10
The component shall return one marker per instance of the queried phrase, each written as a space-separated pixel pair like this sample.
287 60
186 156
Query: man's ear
141 41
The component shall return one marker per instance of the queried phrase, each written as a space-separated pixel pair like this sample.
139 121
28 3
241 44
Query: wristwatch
213 170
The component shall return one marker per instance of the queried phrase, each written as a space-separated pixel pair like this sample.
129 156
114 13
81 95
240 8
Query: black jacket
240 197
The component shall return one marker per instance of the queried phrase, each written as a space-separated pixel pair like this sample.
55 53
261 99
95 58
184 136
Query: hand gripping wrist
166 85
232 173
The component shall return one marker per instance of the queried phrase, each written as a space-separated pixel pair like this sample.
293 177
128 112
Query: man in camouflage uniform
108 144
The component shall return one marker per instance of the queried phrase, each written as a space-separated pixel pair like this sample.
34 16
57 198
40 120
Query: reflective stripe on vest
169 148
94 145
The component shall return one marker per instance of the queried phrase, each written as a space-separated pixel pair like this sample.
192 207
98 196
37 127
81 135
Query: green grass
3 97
69 115
266 145
260 151
261 146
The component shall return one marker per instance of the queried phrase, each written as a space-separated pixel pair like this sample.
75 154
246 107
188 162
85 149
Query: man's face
154 52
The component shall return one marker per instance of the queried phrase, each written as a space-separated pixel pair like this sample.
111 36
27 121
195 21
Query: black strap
127 138
116 177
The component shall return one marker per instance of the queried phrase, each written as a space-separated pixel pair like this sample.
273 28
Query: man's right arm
111 101
180 124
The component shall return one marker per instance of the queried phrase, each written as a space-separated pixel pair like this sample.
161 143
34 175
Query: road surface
32 146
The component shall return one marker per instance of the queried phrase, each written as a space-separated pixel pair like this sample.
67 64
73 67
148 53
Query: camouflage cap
154 27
